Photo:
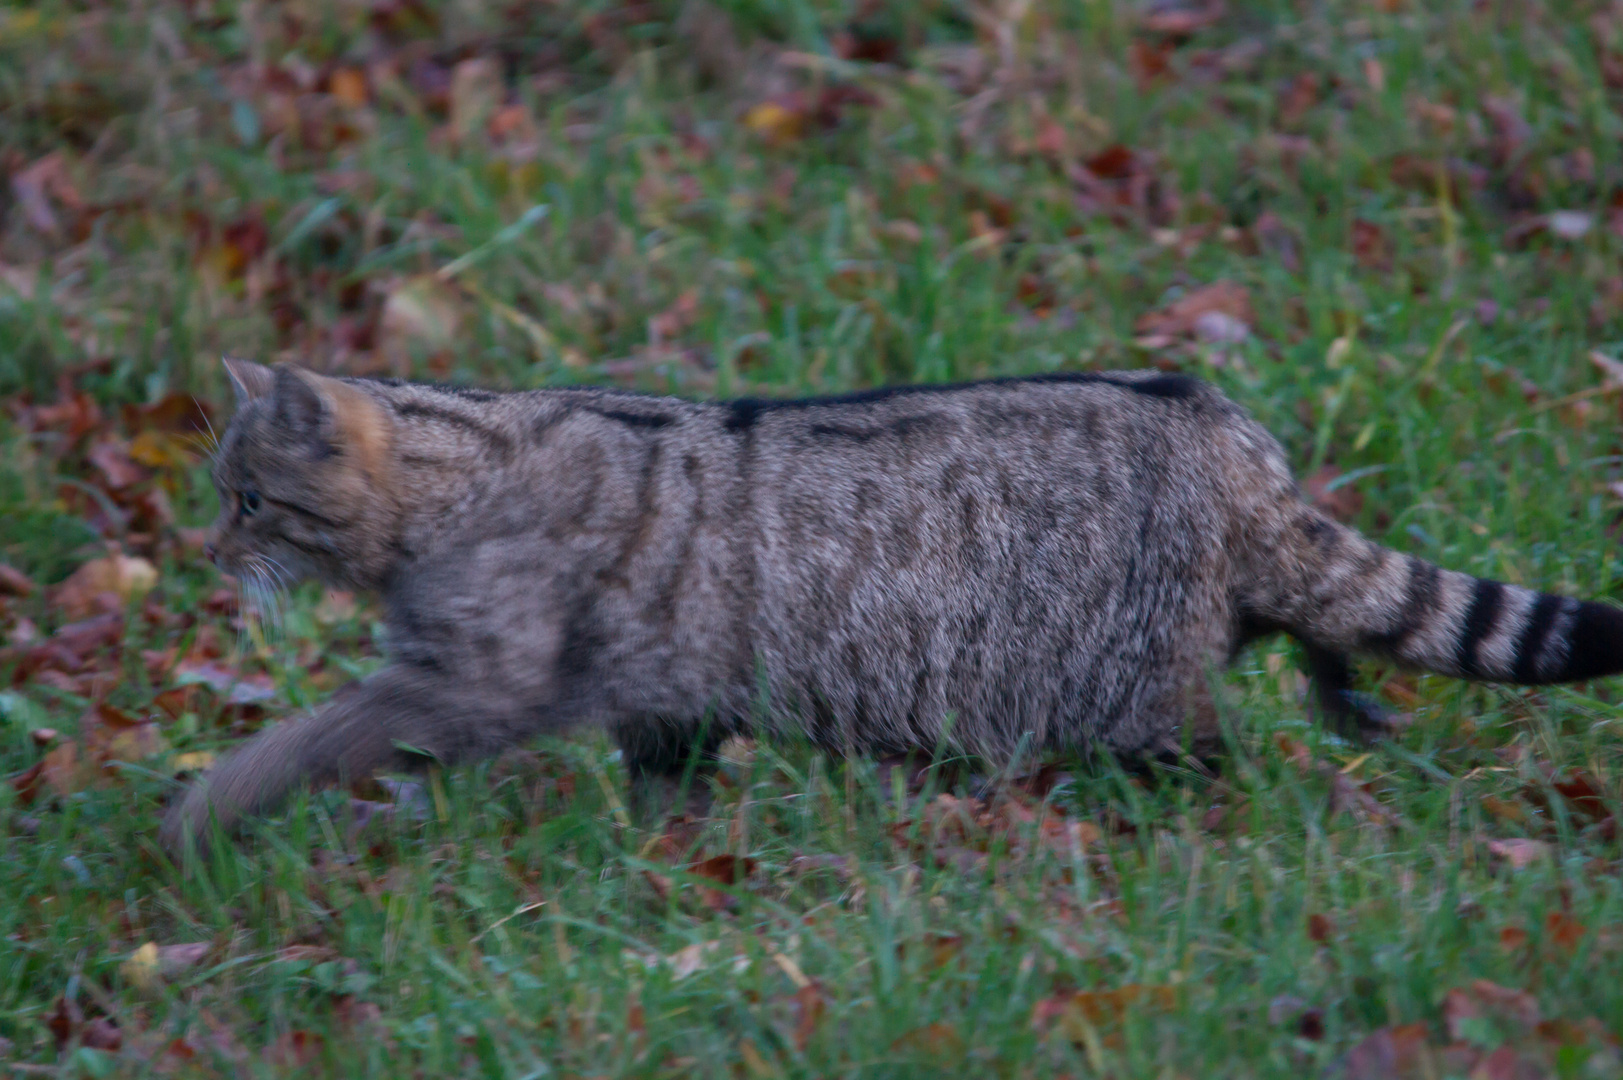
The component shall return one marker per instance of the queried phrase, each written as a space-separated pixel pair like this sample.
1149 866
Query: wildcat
1056 561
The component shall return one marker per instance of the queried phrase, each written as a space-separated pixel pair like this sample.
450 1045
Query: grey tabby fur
1057 562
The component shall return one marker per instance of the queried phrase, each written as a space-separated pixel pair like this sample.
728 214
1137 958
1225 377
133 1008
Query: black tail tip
1595 642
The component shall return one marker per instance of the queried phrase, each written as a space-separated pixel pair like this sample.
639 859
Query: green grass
509 927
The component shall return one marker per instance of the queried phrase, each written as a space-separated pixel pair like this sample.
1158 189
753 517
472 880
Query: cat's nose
209 552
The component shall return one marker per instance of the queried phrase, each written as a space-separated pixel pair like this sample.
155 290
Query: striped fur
1048 562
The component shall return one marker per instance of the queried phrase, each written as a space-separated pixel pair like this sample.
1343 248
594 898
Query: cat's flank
1049 562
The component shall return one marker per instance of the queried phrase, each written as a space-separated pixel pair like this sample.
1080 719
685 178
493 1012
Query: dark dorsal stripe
635 419
422 410
1530 646
743 412
1486 600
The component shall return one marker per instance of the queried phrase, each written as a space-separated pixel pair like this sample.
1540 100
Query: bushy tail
1340 591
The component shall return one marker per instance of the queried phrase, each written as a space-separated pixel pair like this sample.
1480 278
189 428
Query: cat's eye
248 502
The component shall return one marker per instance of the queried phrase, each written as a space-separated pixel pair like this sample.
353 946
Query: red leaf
1386 1054
808 1006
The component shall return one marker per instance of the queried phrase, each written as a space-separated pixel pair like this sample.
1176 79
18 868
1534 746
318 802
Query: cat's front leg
400 717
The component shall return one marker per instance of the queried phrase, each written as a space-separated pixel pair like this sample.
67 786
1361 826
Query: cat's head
303 477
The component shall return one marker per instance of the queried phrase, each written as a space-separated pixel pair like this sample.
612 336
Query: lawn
1391 229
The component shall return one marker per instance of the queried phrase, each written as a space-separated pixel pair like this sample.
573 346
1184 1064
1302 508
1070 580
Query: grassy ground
1417 210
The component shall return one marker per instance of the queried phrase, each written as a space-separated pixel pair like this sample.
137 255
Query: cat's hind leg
669 763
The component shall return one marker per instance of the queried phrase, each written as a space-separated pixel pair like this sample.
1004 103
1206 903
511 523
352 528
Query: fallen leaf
775 122
348 85
937 1039
1319 928
476 93
140 968
126 577
1565 931
1077 1012
64 771
690 958
1178 18
727 869
1504 809
64 1021
112 734
102 1034
421 317
807 1005
296 1049
235 687
1386 1054
118 470
1341 501
1483 999
1569 224
1180 318
1370 245
1520 852
14 582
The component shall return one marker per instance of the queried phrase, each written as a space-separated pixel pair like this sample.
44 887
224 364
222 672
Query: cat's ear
333 413
248 379
303 406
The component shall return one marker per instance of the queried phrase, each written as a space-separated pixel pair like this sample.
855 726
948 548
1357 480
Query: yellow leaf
348 85
125 576
196 761
775 123
159 449
141 968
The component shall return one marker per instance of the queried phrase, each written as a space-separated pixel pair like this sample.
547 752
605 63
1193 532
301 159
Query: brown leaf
936 1040
1482 999
123 576
1320 928
1298 96
114 735
778 123
348 85
1370 245
1342 502
1182 317
1584 792
297 1049
234 686
1512 938
1387 1054
174 414
64 771
807 1005
33 187
14 582
102 1034
1181 19
421 318
64 1021
1565 931
1520 852
1505 809
1084 1009
476 93
118 470
1150 62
